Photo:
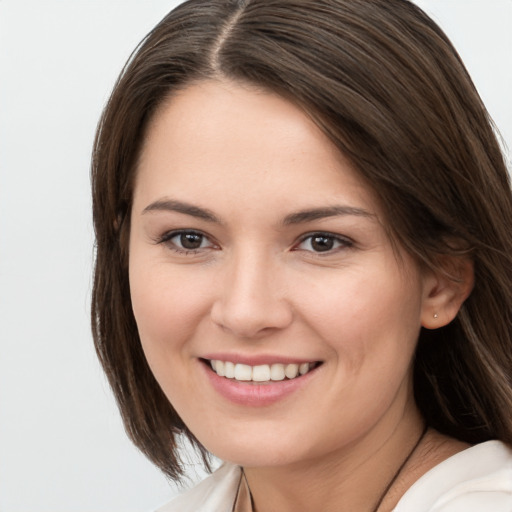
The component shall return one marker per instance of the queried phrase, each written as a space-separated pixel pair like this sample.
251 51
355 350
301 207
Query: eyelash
343 242
166 239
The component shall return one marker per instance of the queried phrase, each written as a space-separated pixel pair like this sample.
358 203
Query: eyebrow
299 217
322 213
172 205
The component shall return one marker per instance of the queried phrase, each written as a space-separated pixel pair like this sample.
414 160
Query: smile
261 373
261 384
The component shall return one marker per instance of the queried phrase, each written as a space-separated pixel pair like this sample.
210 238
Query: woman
303 260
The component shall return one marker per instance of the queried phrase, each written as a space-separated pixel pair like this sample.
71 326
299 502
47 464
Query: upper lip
256 360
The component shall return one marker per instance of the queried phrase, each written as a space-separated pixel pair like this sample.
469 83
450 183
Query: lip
255 394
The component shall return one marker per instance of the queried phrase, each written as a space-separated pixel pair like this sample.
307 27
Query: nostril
251 318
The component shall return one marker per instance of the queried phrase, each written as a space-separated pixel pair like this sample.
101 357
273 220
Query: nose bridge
252 296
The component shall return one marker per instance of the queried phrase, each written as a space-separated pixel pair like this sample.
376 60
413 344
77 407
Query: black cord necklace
244 501
399 470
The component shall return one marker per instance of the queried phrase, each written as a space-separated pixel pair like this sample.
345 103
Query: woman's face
254 243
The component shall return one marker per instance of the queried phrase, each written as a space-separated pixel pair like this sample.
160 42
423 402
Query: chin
260 452
256 457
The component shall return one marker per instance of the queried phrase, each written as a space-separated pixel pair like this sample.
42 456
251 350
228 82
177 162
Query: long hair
386 86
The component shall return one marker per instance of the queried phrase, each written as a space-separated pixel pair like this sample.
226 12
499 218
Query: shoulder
216 492
476 479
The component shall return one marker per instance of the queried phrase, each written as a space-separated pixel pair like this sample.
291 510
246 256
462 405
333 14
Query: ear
445 290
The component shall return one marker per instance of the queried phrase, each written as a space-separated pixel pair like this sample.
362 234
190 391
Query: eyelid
175 232
166 238
345 242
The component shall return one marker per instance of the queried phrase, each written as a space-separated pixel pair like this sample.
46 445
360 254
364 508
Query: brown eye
190 241
321 243
324 243
186 241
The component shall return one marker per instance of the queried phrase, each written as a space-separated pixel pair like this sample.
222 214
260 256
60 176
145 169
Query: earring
436 315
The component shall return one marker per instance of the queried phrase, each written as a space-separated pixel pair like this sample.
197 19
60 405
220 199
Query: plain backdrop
62 445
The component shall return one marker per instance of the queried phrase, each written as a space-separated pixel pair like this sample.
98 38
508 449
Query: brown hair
385 84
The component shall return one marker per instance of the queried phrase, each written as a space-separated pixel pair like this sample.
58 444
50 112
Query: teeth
229 370
291 370
243 372
304 368
277 372
220 368
260 373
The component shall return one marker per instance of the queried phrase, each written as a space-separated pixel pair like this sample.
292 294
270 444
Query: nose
252 298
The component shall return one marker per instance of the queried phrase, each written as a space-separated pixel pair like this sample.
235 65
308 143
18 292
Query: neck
352 478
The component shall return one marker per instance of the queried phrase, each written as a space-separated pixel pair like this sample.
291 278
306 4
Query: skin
256 285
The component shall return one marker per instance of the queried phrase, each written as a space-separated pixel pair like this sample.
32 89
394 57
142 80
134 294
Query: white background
62 446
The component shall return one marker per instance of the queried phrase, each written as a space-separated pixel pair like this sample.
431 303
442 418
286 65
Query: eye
323 242
186 241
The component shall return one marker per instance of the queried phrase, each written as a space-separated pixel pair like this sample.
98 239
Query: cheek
168 306
168 309
364 316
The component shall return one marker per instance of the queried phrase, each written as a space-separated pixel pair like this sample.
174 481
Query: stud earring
436 315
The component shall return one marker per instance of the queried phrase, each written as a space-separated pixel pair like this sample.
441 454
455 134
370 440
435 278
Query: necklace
244 503
399 470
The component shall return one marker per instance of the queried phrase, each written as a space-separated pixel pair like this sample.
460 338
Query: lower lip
256 394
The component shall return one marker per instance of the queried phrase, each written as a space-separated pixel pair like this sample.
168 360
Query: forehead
237 140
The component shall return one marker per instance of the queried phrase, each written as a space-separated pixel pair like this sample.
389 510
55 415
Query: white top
478 479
